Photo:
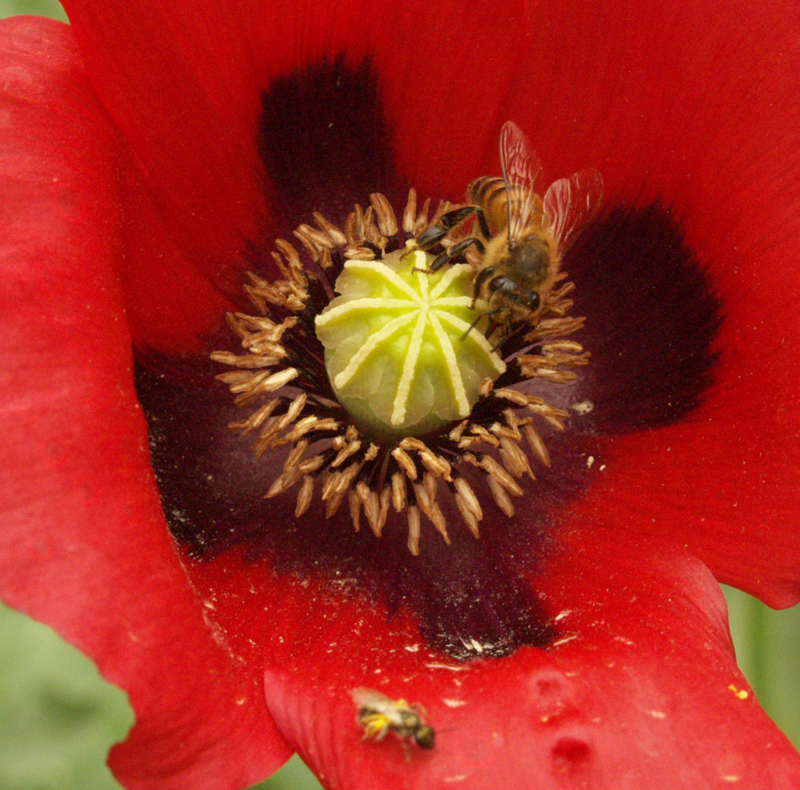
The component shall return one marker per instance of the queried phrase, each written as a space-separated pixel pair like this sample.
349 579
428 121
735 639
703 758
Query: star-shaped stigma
401 351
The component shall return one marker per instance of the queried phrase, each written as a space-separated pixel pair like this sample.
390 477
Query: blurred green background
58 718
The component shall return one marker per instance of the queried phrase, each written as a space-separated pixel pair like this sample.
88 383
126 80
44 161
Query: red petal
175 80
84 545
640 689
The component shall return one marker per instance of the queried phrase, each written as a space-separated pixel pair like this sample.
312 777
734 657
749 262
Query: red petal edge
83 545
640 690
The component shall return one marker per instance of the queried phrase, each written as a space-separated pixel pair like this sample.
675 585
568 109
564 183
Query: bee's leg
435 233
455 251
484 225
482 277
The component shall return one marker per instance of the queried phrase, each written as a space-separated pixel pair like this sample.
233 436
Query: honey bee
378 715
523 236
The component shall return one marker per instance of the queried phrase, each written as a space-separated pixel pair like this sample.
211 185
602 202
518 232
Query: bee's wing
571 203
521 168
374 700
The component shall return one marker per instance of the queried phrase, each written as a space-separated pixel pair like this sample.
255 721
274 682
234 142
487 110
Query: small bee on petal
378 715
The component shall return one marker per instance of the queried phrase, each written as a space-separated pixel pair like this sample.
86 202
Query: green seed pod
399 351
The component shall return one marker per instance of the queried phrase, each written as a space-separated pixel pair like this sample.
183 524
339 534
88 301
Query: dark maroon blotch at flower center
651 320
324 141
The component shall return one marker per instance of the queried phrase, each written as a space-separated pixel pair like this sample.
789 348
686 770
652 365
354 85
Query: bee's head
425 737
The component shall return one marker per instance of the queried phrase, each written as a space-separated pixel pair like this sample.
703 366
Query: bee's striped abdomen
491 194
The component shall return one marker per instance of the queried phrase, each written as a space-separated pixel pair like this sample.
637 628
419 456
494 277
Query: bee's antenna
490 329
474 324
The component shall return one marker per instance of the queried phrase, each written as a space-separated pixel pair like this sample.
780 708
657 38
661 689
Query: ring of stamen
282 376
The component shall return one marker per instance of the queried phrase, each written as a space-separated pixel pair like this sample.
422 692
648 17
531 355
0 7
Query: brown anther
505 431
563 346
236 378
538 447
285 268
435 464
483 435
554 327
405 462
426 498
437 517
345 453
554 416
487 385
555 376
304 496
265 382
432 462
413 530
398 491
371 503
514 460
312 423
500 496
245 361
312 239
359 254
496 471
469 442
372 231
255 420
457 432
271 432
410 213
384 213
278 487
295 454
386 496
338 481
333 503
295 303
355 509
292 258
311 464
468 505
354 228
296 407
336 237
335 485
422 218
515 396
430 485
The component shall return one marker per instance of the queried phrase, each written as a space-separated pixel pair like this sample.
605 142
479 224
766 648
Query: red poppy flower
152 151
